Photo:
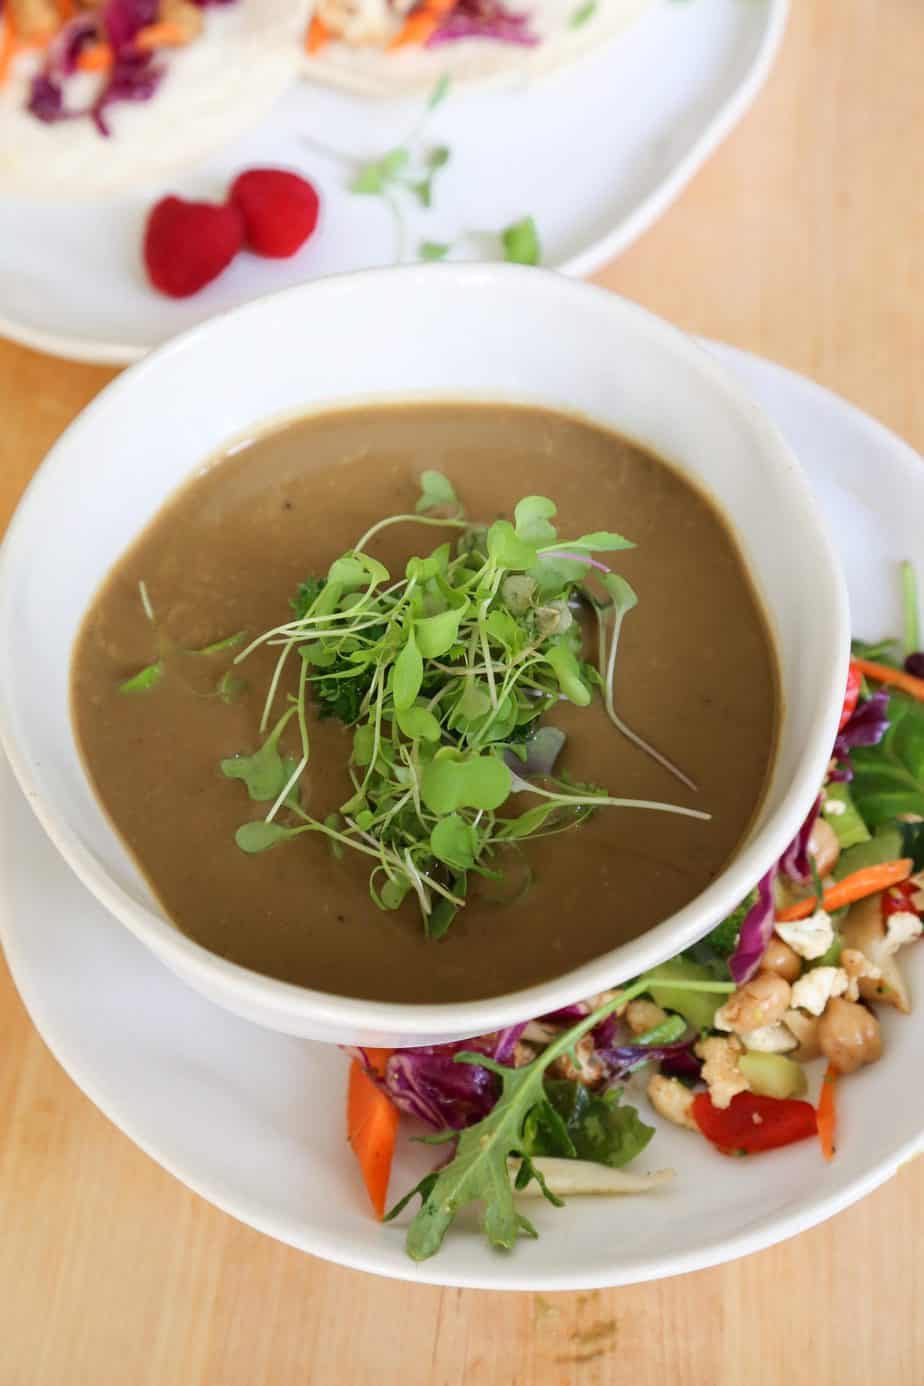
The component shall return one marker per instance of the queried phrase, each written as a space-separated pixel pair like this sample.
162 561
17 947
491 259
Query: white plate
594 153
253 1120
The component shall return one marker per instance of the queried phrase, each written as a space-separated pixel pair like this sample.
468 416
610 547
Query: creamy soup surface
696 676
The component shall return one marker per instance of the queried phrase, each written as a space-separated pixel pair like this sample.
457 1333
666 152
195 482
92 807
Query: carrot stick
95 57
372 1121
377 1059
827 1113
65 10
8 45
883 673
317 35
423 23
869 881
163 35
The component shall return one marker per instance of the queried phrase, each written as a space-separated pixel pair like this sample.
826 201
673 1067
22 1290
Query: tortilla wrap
215 88
373 71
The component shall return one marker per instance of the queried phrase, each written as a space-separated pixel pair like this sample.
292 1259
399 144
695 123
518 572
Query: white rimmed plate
253 1121
594 153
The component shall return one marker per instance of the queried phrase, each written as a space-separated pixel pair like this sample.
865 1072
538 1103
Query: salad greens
443 674
526 1121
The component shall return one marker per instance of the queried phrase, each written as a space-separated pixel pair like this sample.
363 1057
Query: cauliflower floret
721 1073
770 1039
857 965
901 928
587 1070
672 1100
810 938
815 988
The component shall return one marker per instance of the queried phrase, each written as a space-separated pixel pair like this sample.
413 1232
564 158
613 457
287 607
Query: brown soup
696 676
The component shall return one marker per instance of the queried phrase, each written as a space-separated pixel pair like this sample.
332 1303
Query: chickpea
644 1015
849 1035
782 960
824 847
762 1001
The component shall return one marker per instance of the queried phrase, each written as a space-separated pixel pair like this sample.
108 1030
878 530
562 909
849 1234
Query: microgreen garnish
374 178
520 243
583 14
439 93
145 679
434 160
517 1127
443 674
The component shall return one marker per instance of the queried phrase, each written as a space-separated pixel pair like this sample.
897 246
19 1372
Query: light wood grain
802 240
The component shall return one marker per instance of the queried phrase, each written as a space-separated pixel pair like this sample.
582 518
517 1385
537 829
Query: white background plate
594 153
254 1121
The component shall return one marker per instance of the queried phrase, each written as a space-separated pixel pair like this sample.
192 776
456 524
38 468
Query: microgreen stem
599 801
146 601
409 520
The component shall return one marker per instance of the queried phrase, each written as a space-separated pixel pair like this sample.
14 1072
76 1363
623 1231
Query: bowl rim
292 1005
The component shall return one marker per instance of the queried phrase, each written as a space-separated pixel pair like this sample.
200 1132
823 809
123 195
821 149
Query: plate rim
533 1278
103 352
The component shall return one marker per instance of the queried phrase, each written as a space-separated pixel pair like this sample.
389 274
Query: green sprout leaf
408 674
507 549
437 634
144 680
376 178
568 673
266 772
440 92
436 491
480 782
455 842
418 724
260 836
532 516
520 243
230 642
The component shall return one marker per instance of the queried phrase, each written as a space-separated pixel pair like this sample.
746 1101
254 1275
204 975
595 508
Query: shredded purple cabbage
485 19
756 932
794 862
623 1058
134 76
868 724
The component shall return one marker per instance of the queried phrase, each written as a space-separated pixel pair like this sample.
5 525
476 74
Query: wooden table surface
803 239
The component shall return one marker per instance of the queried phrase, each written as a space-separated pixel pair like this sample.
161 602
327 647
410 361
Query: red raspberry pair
188 244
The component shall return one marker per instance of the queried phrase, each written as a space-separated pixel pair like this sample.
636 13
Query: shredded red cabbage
487 19
133 76
756 932
868 724
794 862
622 1059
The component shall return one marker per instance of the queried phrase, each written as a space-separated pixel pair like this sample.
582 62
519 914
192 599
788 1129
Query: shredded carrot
8 45
372 1121
870 881
884 673
317 36
95 57
163 35
423 23
377 1059
827 1113
65 10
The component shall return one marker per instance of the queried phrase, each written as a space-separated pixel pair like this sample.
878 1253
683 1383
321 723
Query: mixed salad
396 24
720 1035
115 44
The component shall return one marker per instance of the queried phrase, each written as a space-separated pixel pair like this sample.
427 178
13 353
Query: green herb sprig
442 673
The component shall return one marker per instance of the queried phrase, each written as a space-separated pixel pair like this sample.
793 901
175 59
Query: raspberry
188 244
280 210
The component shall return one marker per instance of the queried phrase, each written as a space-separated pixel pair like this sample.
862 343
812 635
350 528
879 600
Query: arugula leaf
888 779
589 1127
478 1172
520 243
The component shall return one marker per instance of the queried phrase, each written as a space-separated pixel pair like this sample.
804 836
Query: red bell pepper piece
852 695
751 1123
899 899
